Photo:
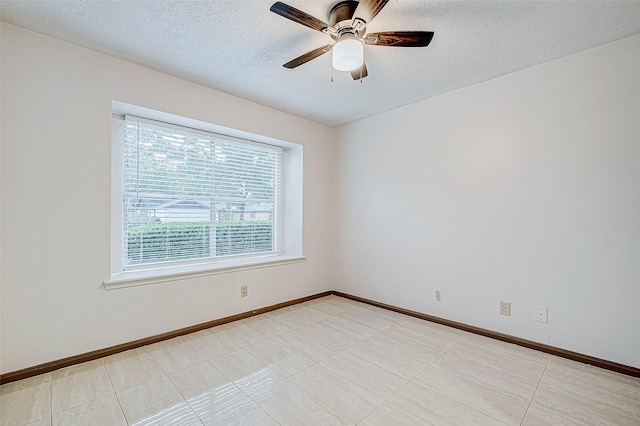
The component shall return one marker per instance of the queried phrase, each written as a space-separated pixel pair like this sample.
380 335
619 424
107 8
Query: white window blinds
191 195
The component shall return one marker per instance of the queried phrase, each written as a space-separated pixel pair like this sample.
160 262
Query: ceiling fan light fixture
348 54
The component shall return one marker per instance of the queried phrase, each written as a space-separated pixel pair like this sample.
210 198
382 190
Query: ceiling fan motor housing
340 18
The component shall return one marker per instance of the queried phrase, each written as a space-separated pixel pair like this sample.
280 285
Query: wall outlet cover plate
505 308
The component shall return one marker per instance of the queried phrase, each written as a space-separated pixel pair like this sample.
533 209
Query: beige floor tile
385 313
280 357
312 348
25 401
507 349
581 409
156 402
174 354
390 415
209 392
409 348
77 385
438 410
615 397
377 380
389 360
210 344
619 383
311 302
240 334
538 417
347 398
130 368
312 313
334 307
267 325
42 422
434 328
246 371
500 406
291 308
245 413
290 318
501 361
330 335
368 318
359 331
487 376
437 342
290 405
101 412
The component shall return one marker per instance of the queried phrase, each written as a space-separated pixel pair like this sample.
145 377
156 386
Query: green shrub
170 241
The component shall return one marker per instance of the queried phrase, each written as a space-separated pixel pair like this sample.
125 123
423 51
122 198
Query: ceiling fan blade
400 38
357 74
298 16
368 9
308 56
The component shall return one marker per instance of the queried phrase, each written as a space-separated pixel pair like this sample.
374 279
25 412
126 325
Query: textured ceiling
239 46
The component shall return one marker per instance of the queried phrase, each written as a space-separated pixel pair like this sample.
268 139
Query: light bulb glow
348 55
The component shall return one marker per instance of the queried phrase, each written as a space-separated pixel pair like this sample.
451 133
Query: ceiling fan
347 26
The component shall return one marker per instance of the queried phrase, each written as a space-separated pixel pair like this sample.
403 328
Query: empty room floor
329 361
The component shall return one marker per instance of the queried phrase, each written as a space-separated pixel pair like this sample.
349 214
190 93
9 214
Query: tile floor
329 361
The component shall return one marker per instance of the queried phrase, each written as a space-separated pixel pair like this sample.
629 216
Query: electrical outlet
541 314
505 308
439 295
244 291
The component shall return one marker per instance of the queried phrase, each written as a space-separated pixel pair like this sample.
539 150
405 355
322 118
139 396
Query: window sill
176 273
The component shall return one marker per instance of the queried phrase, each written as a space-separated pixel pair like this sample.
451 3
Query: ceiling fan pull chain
332 74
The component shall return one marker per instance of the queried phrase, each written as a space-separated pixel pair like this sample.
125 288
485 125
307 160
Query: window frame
289 237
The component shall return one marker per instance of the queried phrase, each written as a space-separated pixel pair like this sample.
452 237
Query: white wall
56 118
523 189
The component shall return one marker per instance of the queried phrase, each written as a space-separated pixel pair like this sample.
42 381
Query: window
190 200
175 181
